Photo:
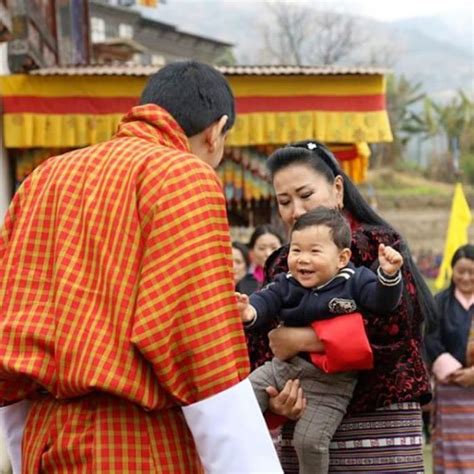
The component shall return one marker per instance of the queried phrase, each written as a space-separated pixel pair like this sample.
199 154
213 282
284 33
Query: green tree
452 120
402 95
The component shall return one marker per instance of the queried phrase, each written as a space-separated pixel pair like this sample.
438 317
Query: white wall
4 170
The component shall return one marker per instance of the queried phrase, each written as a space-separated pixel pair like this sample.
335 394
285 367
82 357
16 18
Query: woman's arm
287 342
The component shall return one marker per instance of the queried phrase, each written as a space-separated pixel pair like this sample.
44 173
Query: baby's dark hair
332 218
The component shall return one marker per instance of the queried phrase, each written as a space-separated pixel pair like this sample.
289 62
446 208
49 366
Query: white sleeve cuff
389 280
252 322
12 425
444 366
230 433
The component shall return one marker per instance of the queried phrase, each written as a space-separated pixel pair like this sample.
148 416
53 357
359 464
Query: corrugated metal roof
136 70
299 70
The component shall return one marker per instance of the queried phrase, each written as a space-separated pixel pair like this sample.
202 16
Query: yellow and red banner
75 110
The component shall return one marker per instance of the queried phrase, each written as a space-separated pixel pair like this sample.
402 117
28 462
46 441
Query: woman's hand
470 354
286 342
463 377
290 402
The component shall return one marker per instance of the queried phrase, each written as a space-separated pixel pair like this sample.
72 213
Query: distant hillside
437 51
437 55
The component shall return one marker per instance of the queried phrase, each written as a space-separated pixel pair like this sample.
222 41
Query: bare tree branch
304 35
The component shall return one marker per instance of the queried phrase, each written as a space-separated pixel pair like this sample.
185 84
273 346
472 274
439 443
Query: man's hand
247 312
290 402
390 260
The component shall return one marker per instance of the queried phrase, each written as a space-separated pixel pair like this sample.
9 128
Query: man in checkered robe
120 341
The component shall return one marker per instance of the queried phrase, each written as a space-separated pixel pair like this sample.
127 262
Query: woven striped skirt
453 437
386 440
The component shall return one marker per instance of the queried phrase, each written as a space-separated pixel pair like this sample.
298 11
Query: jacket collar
341 276
152 123
464 301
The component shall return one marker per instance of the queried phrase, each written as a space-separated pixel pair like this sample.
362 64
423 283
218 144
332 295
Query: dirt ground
424 228
421 219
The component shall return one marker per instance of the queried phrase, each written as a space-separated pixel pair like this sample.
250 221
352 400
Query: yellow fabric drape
75 111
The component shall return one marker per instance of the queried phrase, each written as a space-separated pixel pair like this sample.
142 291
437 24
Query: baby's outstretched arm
389 259
246 310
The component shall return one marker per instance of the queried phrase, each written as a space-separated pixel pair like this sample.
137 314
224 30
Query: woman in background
245 282
451 351
264 240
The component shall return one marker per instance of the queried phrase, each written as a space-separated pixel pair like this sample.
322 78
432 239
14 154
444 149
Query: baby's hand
247 312
389 259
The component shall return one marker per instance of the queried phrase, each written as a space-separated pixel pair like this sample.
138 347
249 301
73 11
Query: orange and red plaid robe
117 298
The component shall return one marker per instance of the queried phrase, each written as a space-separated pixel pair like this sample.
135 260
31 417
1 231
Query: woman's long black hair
315 155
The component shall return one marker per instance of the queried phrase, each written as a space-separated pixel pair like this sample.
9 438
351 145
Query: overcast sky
394 10
380 9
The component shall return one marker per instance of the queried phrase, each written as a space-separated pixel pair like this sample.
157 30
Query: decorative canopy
74 107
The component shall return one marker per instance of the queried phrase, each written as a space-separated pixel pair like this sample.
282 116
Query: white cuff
12 425
252 322
230 433
5 464
444 366
389 280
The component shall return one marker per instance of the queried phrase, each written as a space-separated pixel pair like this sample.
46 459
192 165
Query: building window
157 60
125 31
97 29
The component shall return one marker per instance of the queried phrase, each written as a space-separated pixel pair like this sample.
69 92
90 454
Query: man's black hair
194 93
332 218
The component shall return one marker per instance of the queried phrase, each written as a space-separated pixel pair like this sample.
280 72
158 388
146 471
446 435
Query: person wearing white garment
5 465
119 327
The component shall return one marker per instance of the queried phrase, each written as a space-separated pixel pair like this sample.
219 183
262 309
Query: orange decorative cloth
116 278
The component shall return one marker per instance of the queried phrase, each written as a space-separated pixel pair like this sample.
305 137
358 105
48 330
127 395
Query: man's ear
214 131
344 257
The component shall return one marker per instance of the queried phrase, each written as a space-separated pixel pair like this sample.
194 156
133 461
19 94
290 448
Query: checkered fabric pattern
116 277
100 434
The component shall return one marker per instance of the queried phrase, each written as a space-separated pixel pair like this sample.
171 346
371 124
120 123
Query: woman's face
265 245
299 189
463 276
240 268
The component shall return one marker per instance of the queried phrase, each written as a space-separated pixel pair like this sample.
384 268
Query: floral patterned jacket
399 373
